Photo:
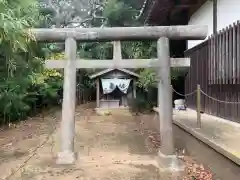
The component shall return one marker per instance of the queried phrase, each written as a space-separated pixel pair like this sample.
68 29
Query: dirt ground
119 146
109 147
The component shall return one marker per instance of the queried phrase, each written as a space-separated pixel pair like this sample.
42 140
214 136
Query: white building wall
202 17
228 12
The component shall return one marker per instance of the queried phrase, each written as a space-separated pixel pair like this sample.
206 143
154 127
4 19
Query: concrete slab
221 135
110 111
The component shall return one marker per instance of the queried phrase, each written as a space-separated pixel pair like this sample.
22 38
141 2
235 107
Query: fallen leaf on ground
195 171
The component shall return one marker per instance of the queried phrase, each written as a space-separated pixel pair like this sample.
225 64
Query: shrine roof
168 12
105 71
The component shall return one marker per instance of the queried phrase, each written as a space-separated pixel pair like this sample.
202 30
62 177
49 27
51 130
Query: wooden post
171 86
67 155
215 16
159 89
165 97
134 89
98 92
198 106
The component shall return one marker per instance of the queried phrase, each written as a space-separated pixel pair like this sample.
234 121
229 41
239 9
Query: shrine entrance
114 88
162 64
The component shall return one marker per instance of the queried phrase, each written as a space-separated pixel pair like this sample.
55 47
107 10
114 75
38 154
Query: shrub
140 105
24 100
25 95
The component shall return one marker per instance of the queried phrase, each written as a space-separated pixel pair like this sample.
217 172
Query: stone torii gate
162 63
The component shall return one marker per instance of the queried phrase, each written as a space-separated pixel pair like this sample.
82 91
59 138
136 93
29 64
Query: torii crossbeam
162 63
124 63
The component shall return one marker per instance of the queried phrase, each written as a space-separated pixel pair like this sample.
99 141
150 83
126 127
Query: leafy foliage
72 13
24 86
97 50
147 79
119 14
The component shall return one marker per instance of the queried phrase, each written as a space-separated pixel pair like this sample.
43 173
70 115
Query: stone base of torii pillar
66 158
170 166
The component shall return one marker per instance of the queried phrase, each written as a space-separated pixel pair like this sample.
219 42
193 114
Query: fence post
198 106
172 94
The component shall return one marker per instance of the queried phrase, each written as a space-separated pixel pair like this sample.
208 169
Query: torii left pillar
66 154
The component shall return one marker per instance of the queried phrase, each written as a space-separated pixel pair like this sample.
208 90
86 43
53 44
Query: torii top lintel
188 32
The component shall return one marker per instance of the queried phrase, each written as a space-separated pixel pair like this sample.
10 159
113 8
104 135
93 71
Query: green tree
21 61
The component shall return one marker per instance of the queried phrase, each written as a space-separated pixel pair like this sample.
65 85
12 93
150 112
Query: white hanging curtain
109 85
123 84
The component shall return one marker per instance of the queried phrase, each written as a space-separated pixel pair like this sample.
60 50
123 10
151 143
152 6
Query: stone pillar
168 162
117 52
165 97
67 155
98 92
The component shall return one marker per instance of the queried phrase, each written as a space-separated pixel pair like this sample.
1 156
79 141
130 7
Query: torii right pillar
167 159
